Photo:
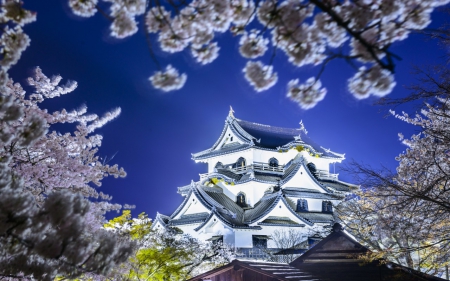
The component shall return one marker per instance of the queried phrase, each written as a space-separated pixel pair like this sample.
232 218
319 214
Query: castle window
240 200
302 205
218 239
259 241
240 163
273 162
312 168
327 207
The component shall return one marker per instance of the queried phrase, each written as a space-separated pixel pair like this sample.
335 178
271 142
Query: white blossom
12 43
132 7
124 25
206 54
157 19
12 10
260 76
242 11
329 29
83 8
169 80
308 94
47 225
178 37
252 44
305 31
374 81
358 49
268 13
203 36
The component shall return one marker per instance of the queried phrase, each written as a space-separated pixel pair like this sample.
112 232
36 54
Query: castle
260 179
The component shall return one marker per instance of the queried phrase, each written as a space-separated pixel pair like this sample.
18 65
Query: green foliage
162 255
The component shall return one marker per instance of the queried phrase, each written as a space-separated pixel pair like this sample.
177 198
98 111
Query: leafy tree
163 255
308 32
47 227
405 215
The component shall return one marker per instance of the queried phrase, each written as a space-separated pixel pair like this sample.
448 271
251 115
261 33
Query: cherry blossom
206 54
157 19
307 95
252 45
48 226
124 25
83 8
374 81
309 32
169 80
260 76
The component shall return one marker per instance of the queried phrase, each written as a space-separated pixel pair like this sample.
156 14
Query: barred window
302 205
327 207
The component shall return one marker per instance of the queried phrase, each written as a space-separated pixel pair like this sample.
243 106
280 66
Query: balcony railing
325 175
260 167
279 170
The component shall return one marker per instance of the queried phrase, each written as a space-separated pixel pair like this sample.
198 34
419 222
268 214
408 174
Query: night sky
156 133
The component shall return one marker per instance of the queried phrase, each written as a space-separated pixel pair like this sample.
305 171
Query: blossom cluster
308 32
13 41
47 225
404 216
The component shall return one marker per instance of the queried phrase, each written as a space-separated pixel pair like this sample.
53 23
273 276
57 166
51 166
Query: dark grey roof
269 136
262 136
290 170
230 174
309 193
317 216
337 185
332 259
188 219
162 219
267 177
280 221
262 207
233 213
183 190
222 151
281 271
273 137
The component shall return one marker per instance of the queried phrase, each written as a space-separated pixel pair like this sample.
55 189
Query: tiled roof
222 151
338 185
267 177
262 207
230 174
233 215
273 137
162 219
183 190
309 193
263 136
281 271
281 221
191 218
317 216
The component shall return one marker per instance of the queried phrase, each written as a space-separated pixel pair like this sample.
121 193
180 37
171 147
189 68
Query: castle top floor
245 145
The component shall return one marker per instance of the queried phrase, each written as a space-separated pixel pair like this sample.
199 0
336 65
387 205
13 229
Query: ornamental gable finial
231 113
302 127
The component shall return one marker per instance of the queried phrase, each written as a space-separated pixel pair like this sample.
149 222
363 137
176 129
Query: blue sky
157 132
